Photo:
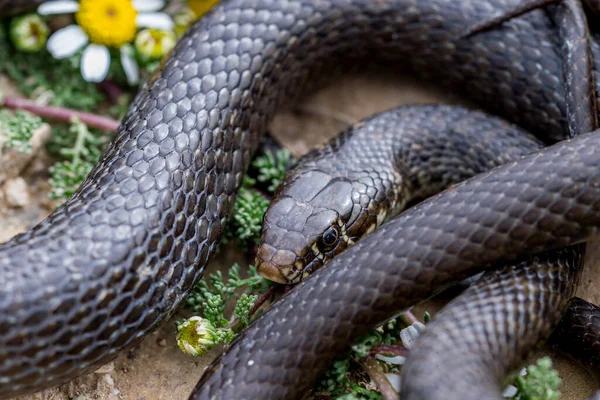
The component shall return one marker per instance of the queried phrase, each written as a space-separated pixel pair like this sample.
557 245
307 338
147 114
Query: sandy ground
157 369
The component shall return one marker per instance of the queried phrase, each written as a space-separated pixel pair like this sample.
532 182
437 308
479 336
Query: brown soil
157 369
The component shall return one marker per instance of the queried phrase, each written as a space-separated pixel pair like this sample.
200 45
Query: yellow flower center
107 22
201 7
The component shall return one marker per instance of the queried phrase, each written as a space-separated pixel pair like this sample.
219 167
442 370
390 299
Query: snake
340 192
118 258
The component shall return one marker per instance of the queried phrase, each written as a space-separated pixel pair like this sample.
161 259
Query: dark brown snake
337 193
117 259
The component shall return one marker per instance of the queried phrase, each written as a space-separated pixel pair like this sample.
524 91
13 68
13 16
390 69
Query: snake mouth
281 266
287 274
311 267
270 271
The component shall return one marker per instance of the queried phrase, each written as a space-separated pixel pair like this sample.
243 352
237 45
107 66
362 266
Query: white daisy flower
103 24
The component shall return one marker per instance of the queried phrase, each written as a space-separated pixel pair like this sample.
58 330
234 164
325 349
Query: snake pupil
330 236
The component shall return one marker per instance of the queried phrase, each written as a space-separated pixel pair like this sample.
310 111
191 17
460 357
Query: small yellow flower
153 44
107 22
201 7
196 336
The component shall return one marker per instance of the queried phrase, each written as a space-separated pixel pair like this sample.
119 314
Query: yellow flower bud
29 32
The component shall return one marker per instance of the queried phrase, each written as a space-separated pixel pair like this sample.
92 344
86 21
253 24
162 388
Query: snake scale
151 212
338 193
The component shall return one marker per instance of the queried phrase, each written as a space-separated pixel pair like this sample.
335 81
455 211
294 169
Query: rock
106 369
13 161
16 193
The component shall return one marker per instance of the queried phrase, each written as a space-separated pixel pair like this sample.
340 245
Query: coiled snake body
117 259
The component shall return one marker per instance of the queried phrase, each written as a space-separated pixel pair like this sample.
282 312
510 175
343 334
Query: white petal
397 360
58 7
148 5
421 328
155 20
66 41
410 334
94 63
394 380
509 392
132 71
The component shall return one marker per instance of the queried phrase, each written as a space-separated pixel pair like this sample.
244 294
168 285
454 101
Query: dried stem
60 114
376 374
408 318
389 349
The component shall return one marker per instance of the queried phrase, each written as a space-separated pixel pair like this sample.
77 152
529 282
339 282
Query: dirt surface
157 369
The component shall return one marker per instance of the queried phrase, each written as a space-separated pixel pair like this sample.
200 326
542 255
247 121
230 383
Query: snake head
304 227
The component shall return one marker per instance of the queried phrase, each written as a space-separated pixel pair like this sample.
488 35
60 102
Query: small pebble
17 193
106 369
509 392
162 342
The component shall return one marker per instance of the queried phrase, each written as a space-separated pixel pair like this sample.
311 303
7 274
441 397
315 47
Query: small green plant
337 382
79 148
18 128
249 209
540 383
345 379
272 168
197 335
388 333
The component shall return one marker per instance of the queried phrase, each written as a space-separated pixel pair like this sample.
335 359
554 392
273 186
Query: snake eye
330 237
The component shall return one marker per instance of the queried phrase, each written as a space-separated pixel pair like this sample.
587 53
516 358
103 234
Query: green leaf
18 128
80 149
426 318
249 209
66 177
272 168
243 307
211 295
540 383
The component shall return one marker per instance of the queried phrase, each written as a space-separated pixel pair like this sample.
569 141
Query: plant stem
408 318
376 374
390 350
79 145
59 113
